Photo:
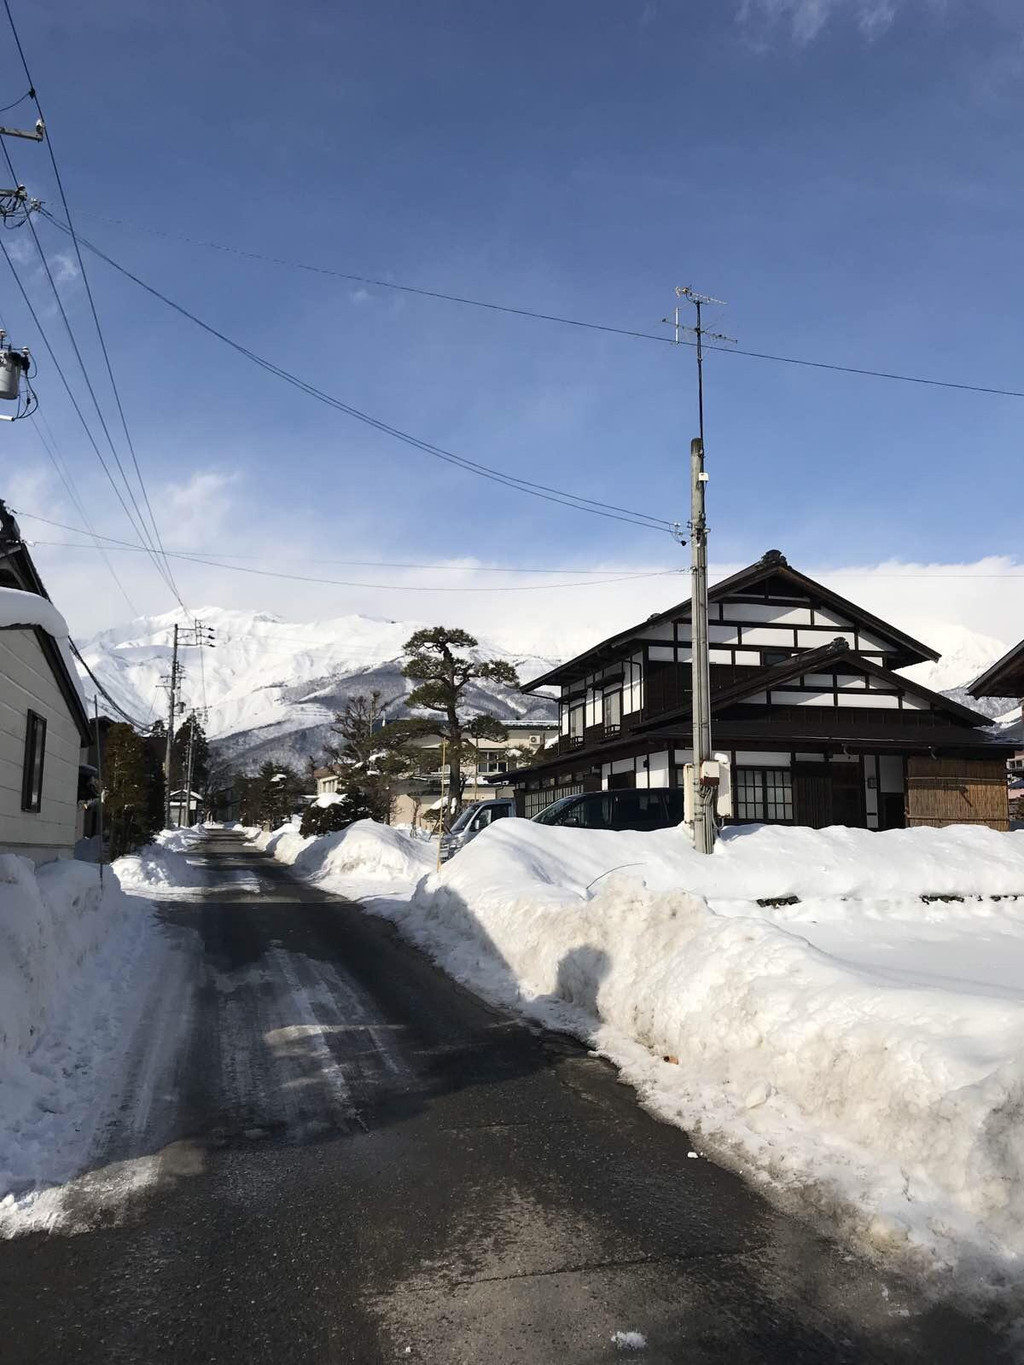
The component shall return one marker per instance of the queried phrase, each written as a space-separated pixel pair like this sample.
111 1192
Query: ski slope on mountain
271 686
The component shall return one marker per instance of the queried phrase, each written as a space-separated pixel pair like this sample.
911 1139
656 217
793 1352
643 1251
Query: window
32 776
576 725
764 794
612 712
775 656
491 761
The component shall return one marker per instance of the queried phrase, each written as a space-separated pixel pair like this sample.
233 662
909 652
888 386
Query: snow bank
365 851
813 1046
163 865
71 956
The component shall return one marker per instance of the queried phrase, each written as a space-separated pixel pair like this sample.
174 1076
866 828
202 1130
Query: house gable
764 610
1004 679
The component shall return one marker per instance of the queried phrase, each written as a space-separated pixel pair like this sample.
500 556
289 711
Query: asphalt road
348 1158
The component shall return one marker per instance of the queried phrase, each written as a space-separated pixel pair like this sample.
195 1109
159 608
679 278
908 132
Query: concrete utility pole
188 769
705 781
172 688
703 794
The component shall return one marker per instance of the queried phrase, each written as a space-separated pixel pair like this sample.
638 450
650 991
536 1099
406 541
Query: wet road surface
348 1158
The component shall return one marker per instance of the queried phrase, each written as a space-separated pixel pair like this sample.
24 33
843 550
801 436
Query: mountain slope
272 687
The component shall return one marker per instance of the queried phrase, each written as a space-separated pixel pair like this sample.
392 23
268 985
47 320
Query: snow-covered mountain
965 655
272 687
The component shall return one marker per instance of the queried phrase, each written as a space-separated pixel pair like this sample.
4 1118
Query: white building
43 729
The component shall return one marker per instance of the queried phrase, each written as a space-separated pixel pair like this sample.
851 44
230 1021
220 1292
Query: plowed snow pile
863 1047
364 852
77 966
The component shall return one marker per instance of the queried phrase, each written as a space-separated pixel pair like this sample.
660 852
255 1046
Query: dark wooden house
818 725
1004 679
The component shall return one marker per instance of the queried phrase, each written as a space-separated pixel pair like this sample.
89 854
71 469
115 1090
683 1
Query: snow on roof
28 609
19 608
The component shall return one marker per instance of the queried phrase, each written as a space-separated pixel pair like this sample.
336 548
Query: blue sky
846 173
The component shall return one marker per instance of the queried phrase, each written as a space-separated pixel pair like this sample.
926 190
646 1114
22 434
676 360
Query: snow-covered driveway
330 1152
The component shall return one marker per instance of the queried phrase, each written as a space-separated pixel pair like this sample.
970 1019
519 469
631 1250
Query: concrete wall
27 683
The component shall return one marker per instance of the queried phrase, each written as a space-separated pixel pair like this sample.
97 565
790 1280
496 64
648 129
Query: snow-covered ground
858 1047
365 854
173 865
84 969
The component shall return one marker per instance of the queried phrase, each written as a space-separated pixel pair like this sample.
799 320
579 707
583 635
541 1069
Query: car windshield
549 815
462 820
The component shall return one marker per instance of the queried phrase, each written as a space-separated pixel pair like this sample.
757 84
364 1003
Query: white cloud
191 515
806 18
64 268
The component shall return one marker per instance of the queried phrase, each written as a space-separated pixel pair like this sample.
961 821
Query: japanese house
819 726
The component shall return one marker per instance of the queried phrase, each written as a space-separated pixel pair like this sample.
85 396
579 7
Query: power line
67 387
136 724
145 535
64 474
549 494
65 477
350 563
141 528
863 371
198 557
395 587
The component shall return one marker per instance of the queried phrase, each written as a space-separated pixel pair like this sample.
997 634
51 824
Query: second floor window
612 710
492 761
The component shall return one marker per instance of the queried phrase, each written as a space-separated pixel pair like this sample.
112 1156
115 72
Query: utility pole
704 788
188 768
172 688
99 780
201 637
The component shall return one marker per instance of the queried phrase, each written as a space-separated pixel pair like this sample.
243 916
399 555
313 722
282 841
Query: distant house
818 726
1006 679
417 800
44 727
186 807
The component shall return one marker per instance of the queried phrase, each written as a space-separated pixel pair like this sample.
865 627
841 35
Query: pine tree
271 796
371 756
191 728
442 674
128 782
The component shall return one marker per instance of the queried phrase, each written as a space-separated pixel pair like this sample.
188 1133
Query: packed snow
173 866
79 966
856 1041
365 852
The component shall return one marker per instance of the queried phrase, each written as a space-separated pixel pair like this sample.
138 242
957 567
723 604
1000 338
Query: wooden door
812 796
848 795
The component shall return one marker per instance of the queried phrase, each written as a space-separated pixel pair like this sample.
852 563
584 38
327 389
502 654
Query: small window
32 776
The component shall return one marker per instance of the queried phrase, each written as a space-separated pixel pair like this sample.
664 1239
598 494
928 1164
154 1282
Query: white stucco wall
27 683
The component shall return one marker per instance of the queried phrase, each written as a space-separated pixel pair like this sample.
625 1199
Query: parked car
472 820
643 808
